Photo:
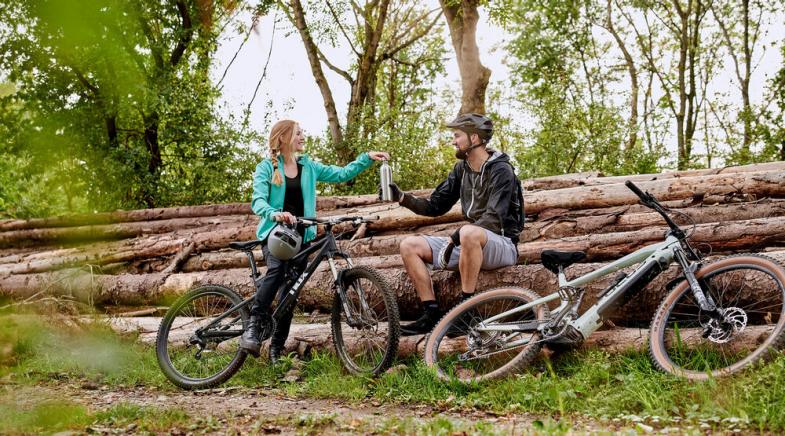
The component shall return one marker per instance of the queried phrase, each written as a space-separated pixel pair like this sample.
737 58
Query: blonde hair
281 142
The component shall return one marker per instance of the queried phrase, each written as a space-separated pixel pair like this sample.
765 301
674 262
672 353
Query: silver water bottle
385 173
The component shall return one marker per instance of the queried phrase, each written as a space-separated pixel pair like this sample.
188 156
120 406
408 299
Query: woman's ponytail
277 179
281 137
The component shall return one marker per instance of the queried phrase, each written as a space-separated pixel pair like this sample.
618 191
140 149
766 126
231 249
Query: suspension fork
705 301
338 283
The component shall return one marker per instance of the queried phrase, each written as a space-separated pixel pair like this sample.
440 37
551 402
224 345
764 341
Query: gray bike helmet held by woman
284 242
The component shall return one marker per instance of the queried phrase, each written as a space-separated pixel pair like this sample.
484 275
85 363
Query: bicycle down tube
653 259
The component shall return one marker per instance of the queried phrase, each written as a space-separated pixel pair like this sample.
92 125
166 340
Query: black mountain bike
198 341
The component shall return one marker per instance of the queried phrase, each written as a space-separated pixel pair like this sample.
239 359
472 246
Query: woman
284 188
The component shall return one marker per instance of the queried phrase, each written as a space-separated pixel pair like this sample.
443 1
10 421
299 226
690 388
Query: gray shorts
498 252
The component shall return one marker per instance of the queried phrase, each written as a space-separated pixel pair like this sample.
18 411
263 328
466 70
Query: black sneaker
251 340
421 326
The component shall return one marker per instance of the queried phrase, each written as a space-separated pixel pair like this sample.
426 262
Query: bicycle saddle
553 259
244 246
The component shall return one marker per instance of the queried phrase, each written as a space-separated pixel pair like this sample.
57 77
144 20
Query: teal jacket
268 198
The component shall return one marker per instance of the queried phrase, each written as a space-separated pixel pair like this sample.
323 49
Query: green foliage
404 119
114 108
577 127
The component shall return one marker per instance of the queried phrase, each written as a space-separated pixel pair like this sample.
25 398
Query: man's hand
443 258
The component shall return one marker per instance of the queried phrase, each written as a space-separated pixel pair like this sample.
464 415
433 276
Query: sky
289 90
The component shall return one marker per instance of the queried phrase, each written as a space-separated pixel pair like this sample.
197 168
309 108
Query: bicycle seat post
252 262
562 277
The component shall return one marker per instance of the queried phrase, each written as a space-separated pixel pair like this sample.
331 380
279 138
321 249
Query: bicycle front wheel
459 348
367 340
193 355
749 292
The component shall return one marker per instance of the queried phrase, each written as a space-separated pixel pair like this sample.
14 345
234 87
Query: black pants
272 281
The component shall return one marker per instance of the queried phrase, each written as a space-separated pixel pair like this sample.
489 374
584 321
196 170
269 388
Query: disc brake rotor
734 320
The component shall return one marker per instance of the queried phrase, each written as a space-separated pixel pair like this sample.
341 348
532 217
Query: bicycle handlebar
634 188
312 221
651 202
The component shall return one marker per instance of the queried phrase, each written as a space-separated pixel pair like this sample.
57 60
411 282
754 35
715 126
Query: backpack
517 200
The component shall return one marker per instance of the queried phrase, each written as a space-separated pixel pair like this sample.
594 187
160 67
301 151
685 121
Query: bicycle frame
652 259
325 246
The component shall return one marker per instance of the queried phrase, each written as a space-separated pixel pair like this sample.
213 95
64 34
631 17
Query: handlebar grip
637 191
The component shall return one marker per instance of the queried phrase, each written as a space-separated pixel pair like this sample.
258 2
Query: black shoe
421 326
251 340
274 354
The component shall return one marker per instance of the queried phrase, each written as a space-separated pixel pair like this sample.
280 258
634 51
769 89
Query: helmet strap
463 154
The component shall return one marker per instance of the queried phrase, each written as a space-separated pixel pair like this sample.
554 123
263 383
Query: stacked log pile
146 257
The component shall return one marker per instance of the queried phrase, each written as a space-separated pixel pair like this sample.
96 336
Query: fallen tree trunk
159 288
594 178
148 247
722 236
759 184
394 217
332 203
318 336
82 234
127 216
725 235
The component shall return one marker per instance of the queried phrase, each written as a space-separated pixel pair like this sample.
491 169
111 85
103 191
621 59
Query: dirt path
243 410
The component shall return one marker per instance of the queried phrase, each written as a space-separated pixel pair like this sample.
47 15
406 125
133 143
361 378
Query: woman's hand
285 217
379 155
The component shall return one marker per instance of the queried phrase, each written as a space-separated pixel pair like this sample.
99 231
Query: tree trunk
108 232
154 160
632 123
604 233
152 289
316 68
367 69
304 338
760 184
462 18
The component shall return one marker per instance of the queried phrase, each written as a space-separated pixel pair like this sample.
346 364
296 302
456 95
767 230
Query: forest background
125 104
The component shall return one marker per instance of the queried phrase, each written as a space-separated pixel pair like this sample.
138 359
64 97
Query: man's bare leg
415 253
473 239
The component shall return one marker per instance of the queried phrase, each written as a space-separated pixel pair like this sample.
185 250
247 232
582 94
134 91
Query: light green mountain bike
717 319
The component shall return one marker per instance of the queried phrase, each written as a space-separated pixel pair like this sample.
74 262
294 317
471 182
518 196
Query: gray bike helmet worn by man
284 242
470 124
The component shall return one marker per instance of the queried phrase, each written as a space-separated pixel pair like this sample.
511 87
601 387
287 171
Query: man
491 201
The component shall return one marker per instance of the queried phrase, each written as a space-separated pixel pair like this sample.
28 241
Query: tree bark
108 232
462 18
595 178
158 288
318 337
345 202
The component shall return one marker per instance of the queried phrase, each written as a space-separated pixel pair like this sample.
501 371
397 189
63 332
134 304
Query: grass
49 416
591 384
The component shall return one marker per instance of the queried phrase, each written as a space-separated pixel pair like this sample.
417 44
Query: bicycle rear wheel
456 349
194 359
749 291
368 344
